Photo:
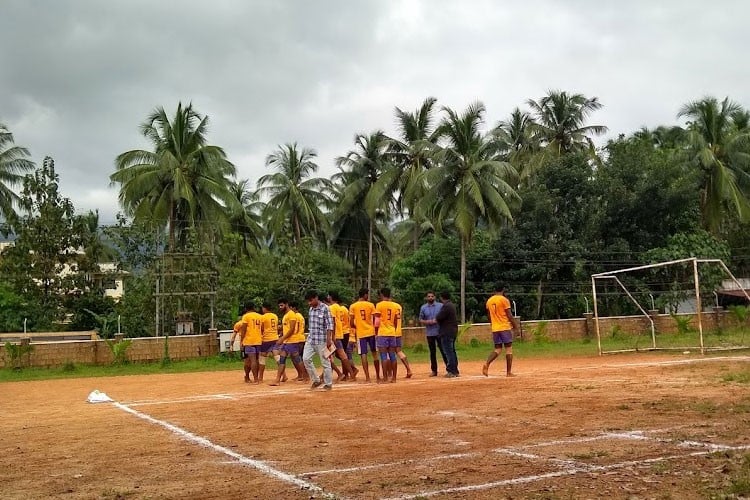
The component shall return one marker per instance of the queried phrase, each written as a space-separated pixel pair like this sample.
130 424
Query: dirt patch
624 426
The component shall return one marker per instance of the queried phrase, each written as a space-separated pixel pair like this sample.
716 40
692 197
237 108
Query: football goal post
690 291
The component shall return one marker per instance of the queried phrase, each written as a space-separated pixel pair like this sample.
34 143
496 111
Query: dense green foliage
447 203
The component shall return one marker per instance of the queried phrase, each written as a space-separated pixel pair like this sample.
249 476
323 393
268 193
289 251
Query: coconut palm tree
350 228
184 182
360 170
721 151
560 121
14 162
295 198
409 156
518 142
246 221
468 181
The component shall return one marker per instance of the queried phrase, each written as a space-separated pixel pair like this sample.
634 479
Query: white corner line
389 464
549 475
201 441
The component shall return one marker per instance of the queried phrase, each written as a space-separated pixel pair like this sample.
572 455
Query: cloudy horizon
79 77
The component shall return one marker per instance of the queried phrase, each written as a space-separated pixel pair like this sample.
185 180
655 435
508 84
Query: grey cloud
82 75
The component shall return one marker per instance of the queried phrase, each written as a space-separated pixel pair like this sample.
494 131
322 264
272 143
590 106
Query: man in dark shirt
448 323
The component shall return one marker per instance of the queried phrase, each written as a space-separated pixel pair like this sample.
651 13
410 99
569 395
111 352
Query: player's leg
509 359
277 353
247 365
302 375
375 360
349 371
402 356
496 339
339 373
393 360
281 368
262 365
383 354
254 362
362 351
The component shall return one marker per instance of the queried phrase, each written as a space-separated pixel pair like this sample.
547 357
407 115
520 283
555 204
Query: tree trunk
172 221
539 299
297 231
463 280
369 255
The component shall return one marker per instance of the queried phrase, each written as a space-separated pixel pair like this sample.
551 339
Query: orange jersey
289 322
362 311
344 314
338 325
399 332
253 323
390 316
497 307
299 335
270 327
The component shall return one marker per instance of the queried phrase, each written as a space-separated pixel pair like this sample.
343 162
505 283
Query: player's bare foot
485 369
247 379
284 378
510 374
275 383
409 374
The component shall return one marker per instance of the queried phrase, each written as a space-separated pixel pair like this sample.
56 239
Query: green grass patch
473 351
741 377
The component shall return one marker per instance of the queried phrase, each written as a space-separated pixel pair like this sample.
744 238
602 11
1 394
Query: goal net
670 305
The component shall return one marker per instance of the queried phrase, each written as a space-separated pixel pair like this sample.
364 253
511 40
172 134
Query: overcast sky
78 77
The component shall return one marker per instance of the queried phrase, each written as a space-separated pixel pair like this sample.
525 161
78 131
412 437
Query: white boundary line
360 386
391 464
201 441
567 472
636 435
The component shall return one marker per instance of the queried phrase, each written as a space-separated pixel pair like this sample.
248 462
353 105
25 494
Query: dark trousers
448 342
434 344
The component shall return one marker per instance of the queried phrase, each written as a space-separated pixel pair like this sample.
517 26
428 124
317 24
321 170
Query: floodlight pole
698 306
596 316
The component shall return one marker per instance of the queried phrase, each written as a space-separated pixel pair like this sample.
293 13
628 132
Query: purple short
251 349
399 342
291 349
365 343
267 346
339 343
386 342
503 338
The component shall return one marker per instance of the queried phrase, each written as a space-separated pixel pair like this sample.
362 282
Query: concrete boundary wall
147 349
97 352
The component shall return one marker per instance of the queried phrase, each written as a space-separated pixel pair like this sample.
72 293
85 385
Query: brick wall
195 346
571 329
96 352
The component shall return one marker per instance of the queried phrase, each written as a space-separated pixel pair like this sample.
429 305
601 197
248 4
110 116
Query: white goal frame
612 275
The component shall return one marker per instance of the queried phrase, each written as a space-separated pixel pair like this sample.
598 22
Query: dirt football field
623 426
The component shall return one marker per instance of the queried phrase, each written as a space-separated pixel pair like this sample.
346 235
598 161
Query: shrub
539 333
119 350
16 352
683 323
